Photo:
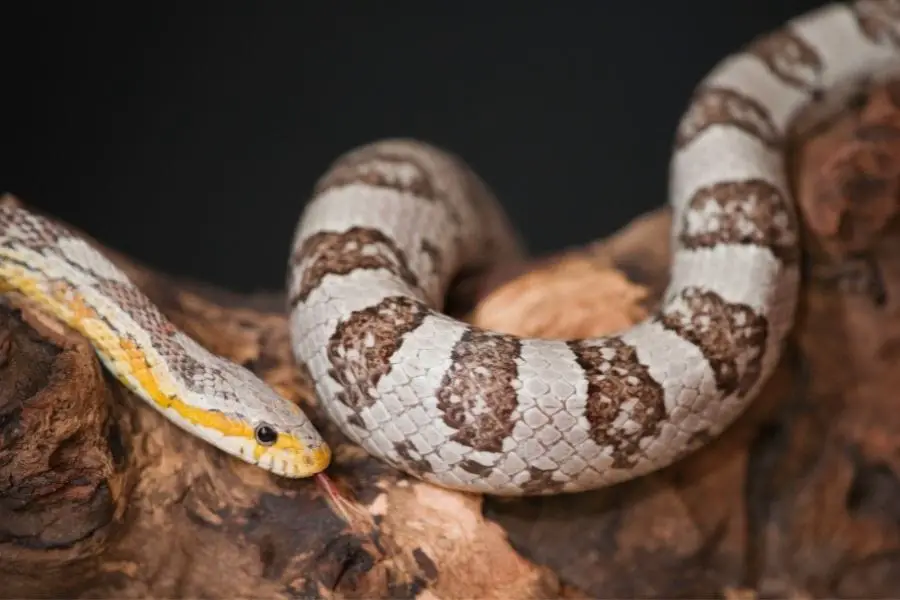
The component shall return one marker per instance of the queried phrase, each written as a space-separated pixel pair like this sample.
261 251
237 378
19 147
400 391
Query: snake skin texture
206 395
391 224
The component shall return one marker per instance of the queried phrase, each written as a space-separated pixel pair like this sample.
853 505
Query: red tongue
326 484
334 498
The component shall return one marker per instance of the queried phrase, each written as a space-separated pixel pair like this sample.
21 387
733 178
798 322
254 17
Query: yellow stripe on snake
208 396
393 224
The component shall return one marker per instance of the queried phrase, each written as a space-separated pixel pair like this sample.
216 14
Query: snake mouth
314 461
293 459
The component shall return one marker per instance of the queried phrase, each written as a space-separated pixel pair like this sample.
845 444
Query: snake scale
390 227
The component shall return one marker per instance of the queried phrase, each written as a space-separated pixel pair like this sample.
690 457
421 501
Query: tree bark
101 497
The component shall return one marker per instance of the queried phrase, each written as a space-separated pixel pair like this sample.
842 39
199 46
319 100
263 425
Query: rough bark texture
100 497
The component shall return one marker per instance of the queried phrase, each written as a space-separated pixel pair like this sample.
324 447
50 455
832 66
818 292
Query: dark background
189 135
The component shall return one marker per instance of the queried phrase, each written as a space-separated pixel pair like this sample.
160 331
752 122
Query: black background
189 135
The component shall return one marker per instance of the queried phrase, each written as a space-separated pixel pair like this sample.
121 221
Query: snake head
279 437
288 446
240 414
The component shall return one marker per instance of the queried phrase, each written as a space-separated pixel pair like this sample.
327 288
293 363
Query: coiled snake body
393 223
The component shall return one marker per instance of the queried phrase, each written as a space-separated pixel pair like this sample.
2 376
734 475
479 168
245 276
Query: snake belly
391 224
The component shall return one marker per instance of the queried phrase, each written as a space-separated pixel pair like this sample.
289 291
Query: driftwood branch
101 497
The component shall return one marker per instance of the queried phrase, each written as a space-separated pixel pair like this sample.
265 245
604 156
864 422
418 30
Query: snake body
393 224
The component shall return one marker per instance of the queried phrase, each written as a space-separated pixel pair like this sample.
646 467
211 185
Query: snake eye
265 434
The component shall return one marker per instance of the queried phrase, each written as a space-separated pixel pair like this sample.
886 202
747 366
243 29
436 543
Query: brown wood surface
100 497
